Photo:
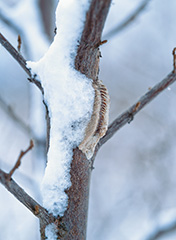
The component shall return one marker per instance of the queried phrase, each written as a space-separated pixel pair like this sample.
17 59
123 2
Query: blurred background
133 187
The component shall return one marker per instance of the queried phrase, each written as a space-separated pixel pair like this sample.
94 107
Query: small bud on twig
19 43
174 60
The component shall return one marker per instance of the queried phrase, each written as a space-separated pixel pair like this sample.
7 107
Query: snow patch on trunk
69 96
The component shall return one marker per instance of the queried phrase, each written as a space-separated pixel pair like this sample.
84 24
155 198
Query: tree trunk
74 221
87 62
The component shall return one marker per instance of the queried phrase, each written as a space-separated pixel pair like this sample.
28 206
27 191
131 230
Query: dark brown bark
75 218
87 59
87 62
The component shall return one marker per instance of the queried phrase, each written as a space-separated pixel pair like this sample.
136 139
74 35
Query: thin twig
127 21
18 162
25 199
19 58
128 115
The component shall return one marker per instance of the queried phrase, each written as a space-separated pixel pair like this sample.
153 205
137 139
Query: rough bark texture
87 59
75 218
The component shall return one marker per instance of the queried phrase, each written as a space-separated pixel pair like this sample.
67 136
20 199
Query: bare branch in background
4 18
17 120
9 111
128 20
46 8
19 58
128 115
163 231
14 27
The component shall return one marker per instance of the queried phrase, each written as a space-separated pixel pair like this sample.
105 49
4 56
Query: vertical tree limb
87 62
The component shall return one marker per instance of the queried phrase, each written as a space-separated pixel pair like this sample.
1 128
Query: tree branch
128 115
19 58
25 199
87 62
127 21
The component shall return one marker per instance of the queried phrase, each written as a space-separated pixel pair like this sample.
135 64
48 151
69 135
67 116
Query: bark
87 62
88 54
75 218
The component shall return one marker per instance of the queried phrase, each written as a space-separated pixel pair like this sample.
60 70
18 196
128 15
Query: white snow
69 96
50 232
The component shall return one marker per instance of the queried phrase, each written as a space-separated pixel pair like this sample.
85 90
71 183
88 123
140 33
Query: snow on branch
69 96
